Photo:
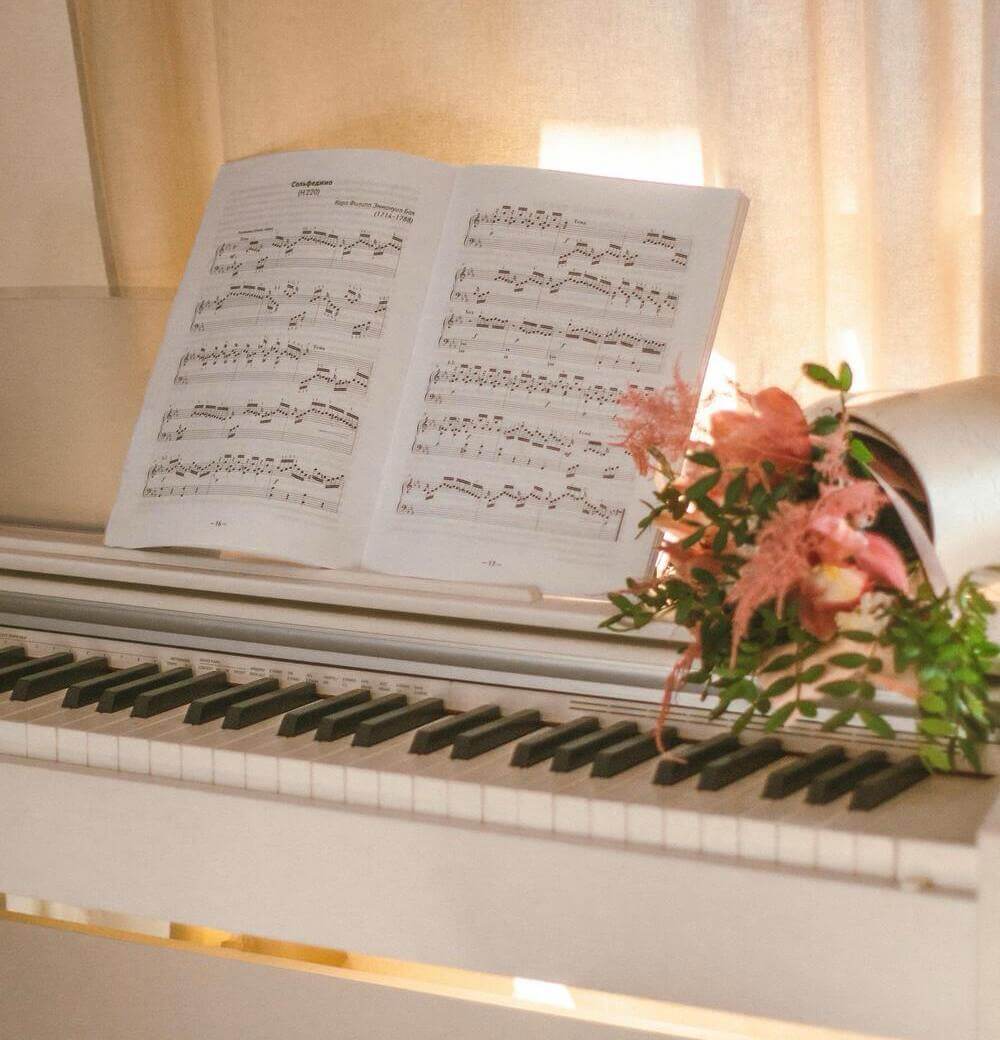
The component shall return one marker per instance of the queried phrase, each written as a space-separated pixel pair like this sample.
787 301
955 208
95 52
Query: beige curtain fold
865 134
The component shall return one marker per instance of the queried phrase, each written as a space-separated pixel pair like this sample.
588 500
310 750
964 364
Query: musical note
352 310
319 424
278 479
552 342
311 248
619 298
497 439
570 510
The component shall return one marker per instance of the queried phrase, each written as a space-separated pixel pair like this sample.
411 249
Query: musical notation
311 248
498 439
318 424
619 298
566 342
552 233
279 479
307 366
356 311
563 393
569 510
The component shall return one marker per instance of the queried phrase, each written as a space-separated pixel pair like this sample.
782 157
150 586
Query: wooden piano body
706 899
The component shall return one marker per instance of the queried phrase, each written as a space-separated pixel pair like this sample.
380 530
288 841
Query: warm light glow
553 994
850 350
718 392
668 154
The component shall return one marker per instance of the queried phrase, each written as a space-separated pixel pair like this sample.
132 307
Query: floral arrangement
792 585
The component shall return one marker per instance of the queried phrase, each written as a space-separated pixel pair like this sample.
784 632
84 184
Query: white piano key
465 800
164 760
40 742
13 727
71 746
835 850
196 763
535 810
229 768
796 844
13 738
262 773
607 819
643 825
328 781
570 815
499 805
682 829
720 835
294 777
875 856
133 755
758 839
395 791
102 751
943 864
430 795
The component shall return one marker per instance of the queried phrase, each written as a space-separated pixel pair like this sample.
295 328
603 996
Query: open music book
379 361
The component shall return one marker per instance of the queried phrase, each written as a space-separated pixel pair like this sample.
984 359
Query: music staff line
280 250
272 302
541 222
500 440
525 392
553 342
569 511
505 287
334 429
569 248
277 479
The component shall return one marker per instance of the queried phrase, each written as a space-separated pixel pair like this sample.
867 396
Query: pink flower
775 430
661 420
829 589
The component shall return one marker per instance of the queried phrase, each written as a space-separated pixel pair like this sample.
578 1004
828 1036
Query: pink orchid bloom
776 430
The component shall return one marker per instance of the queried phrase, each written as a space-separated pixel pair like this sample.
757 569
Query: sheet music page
552 294
264 426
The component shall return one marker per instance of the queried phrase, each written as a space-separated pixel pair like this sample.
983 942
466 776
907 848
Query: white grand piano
457 787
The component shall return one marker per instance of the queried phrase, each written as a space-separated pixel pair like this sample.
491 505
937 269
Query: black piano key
333 727
628 753
888 783
738 764
687 760
10 674
215 705
490 735
583 750
537 747
394 723
28 687
166 698
268 705
843 778
440 734
308 716
791 778
117 698
12 655
89 691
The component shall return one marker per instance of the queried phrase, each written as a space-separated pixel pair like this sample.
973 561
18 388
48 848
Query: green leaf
704 458
935 758
822 375
694 538
858 451
779 664
720 539
620 602
877 725
933 704
858 636
836 721
874 665
935 727
780 686
812 673
825 425
702 486
779 718
848 660
808 709
741 723
840 687
703 577
845 376
735 490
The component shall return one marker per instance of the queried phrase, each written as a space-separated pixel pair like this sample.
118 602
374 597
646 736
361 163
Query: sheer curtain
865 133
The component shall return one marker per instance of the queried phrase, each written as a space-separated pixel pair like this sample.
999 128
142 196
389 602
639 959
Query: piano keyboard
494 762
